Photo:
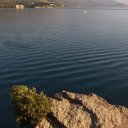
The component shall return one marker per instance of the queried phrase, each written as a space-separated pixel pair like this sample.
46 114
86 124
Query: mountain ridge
90 3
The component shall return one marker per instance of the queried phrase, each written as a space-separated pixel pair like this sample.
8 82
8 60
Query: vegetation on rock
30 107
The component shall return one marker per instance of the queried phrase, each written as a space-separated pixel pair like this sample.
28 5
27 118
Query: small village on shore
21 4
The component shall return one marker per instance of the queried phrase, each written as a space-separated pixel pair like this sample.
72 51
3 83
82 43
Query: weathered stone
73 110
44 124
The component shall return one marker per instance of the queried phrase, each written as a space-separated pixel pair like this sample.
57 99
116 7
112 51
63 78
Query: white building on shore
19 6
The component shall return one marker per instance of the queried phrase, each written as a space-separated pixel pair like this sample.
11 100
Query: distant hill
82 3
7 3
90 3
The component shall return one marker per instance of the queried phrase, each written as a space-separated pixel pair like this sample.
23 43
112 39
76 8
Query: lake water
63 49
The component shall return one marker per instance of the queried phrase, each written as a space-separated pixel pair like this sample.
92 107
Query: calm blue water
57 49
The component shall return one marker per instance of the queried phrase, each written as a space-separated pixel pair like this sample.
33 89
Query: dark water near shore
57 49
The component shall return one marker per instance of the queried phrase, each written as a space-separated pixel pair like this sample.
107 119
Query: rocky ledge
73 110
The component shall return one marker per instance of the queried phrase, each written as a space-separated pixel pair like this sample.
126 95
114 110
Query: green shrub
30 107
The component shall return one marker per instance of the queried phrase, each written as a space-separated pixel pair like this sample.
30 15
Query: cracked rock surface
73 110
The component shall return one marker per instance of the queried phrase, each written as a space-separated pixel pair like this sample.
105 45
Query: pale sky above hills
109 1
106 2
122 1
99 2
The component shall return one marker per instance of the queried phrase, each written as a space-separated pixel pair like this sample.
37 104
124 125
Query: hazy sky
122 1
109 1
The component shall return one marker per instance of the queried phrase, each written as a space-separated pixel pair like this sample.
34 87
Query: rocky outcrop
72 110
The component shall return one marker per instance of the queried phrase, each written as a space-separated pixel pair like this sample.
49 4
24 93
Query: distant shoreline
104 8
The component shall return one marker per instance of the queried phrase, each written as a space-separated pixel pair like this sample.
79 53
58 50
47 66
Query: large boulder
73 110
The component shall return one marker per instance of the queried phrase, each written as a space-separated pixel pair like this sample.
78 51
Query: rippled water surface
57 49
